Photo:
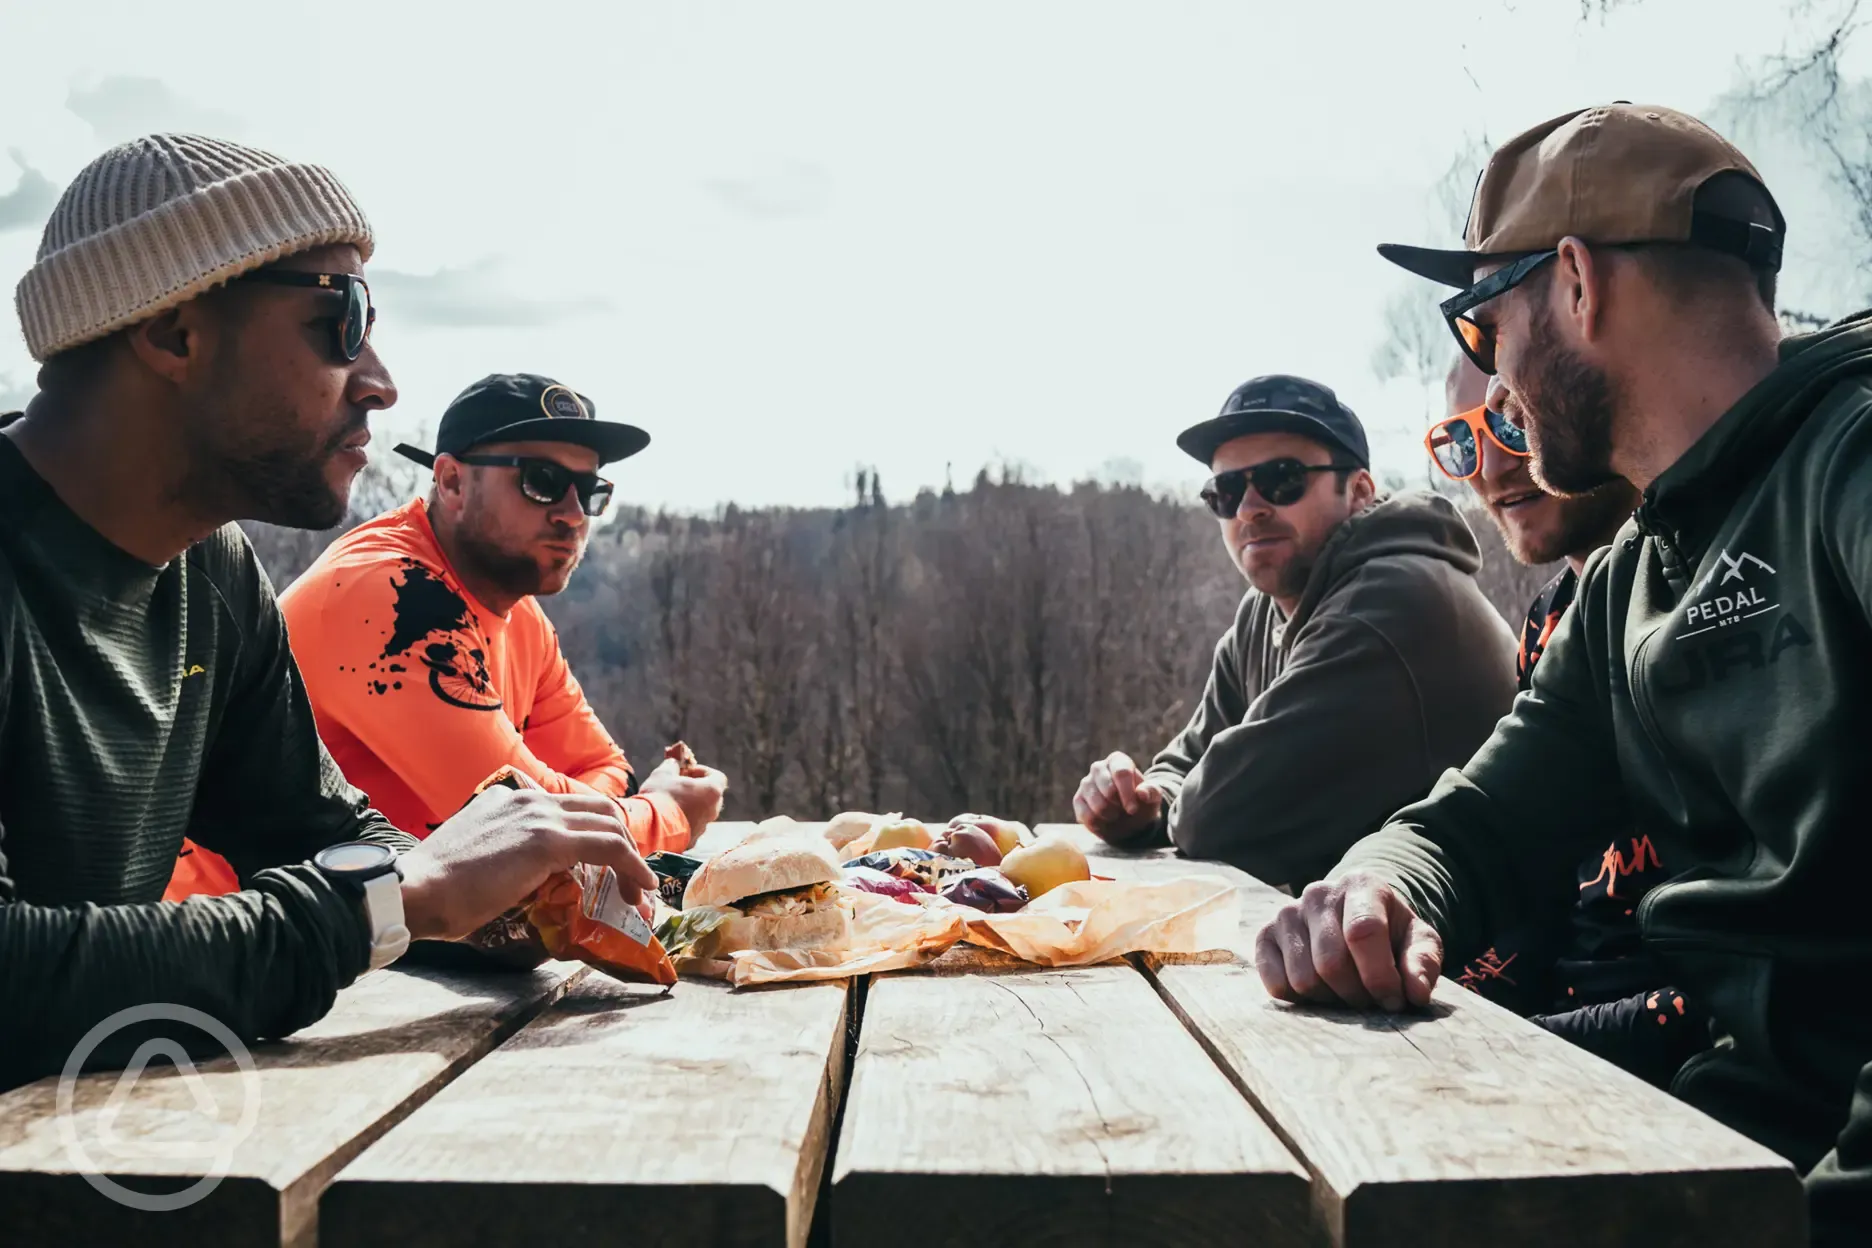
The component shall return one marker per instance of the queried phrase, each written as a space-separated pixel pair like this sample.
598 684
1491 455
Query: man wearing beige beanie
203 324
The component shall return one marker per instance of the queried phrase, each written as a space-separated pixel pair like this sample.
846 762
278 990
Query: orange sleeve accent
656 823
563 728
201 873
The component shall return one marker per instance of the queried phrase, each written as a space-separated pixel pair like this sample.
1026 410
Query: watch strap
383 910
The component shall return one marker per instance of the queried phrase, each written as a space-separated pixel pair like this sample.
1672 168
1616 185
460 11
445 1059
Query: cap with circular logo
1621 173
1279 403
524 407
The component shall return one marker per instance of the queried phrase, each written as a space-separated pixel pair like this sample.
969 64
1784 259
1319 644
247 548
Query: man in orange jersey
428 659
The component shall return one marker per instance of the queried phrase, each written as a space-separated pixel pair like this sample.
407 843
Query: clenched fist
1356 942
1115 800
698 790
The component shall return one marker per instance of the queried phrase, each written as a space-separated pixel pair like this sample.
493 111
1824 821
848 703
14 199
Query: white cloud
471 295
792 189
30 202
125 106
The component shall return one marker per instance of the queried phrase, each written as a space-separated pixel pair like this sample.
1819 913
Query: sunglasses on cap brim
1456 443
1281 482
354 324
546 481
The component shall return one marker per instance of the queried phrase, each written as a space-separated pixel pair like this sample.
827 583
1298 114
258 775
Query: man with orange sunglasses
1587 978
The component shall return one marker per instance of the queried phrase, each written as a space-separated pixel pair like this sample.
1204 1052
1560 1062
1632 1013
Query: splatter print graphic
425 606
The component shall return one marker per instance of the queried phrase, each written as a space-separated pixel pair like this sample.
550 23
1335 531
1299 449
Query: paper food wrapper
1096 920
886 936
1074 925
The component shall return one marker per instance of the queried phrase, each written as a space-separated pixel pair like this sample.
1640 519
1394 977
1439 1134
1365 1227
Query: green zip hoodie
1393 668
1712 688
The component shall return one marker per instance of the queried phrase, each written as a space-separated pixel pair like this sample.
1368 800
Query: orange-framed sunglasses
1456 441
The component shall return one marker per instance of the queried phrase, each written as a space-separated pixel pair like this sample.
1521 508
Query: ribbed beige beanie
159 220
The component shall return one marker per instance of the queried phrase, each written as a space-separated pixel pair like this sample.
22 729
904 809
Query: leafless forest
973 649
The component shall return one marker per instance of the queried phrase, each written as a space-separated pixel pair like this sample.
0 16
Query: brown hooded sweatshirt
1312 731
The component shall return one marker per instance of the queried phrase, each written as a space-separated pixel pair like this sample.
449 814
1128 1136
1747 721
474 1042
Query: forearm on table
263 962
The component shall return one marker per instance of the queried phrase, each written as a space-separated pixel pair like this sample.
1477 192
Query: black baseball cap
525 407
1279 403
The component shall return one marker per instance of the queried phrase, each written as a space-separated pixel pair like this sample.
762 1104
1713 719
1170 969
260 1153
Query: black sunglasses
1479 343
546 482
1282 482
354 325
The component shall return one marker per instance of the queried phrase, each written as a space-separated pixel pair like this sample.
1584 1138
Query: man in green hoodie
1364 636
1715 670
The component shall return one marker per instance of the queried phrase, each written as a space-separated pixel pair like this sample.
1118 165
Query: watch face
355 858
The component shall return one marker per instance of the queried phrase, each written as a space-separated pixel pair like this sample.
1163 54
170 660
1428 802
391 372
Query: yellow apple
903 834
1042 867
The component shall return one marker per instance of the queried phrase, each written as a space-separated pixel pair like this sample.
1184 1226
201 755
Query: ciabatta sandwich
774 893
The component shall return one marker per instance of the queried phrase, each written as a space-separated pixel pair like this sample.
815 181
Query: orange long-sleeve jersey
420 692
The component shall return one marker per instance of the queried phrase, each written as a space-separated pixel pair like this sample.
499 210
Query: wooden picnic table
979 1100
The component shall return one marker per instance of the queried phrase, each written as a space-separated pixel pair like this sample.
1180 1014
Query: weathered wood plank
392 1039
1467 1125
620 1115
998 1103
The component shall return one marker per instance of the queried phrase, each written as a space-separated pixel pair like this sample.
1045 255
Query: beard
1586 522
1570 411
251 457
517 573
290 488
1295 575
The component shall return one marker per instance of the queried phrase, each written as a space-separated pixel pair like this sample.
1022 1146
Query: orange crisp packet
579 914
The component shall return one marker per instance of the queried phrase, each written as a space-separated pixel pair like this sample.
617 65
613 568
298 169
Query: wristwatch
370 871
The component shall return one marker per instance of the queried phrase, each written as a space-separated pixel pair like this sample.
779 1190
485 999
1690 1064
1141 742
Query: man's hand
1356 942
503 845
1115 800
696 789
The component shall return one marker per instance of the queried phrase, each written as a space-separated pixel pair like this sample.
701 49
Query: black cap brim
1200 442
1452 268
612 441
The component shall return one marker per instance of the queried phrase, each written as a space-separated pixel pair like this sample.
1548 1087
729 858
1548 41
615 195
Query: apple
903 834
1044 866
1007 834
970 842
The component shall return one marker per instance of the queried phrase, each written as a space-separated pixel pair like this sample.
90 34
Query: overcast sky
787 238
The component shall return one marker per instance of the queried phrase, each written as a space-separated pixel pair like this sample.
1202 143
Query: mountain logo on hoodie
1728 605
1733 568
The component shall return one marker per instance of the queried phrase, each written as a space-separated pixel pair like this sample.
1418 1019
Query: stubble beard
517 574
1587 522
1571 410
249 460
1286 583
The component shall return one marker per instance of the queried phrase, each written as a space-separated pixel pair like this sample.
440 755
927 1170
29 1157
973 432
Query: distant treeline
969 650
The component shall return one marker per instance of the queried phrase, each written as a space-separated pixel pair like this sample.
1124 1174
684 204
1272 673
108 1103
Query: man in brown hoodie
1362 662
